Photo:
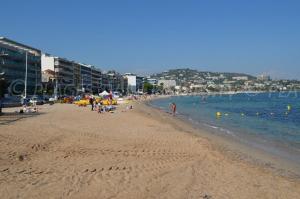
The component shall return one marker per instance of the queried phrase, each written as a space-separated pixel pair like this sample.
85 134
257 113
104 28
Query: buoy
242 114
289 107
218 114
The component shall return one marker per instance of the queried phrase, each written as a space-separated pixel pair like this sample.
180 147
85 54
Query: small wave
214 127
221 129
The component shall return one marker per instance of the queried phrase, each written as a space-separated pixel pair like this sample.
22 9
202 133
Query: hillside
186 75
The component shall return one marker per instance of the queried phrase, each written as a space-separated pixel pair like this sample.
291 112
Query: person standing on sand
95 104
110 97
99 107
92 103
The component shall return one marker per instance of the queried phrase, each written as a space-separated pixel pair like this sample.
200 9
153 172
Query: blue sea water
261 119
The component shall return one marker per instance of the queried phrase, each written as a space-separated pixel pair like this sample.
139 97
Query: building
77 76
152 81
86 78
89 78
105 82
113 81
64 73
140 84
96 80
135 83
48 76
124 85
240 78
131 83
48 81
167 84
264 77
72 77
13 59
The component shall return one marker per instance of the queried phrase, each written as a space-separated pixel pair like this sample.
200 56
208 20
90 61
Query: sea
265 121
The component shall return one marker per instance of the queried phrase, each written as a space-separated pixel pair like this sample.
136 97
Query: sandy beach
67 151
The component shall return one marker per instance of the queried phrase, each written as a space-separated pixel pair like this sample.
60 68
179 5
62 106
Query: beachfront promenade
71 152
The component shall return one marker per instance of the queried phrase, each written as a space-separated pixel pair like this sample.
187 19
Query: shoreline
234 147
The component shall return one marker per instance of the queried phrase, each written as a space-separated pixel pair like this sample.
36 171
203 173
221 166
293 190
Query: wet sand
72 152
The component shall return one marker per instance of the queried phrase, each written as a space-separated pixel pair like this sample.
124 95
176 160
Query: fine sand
71 152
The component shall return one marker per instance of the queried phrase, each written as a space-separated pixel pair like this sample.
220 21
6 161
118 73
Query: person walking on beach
92 103
173 108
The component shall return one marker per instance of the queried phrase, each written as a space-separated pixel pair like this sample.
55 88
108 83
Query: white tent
104 93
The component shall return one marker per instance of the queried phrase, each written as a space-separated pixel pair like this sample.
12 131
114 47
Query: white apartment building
135 83
167 83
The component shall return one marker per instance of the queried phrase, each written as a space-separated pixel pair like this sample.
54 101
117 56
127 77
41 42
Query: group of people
98 106
29 109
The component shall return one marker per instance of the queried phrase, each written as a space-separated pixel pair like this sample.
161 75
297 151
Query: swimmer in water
173 108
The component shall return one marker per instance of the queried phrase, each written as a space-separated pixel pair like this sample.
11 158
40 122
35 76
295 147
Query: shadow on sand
8 118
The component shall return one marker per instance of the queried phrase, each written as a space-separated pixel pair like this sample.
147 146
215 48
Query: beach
66 151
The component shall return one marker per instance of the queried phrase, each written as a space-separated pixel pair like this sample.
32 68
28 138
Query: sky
150 36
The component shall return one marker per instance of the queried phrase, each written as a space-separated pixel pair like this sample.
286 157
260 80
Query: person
95 104
92 102
129 107
173 108
99 107
110 97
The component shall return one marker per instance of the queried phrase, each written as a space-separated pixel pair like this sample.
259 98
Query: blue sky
148 36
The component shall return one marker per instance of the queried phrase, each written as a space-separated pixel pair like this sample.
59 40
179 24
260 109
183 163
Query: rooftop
19 46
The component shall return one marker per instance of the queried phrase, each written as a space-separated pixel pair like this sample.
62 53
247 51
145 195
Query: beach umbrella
104 93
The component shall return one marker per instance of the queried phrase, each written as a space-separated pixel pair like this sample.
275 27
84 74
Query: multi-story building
124 85
77 77
263 77
105 84
240 78
140 84
86 77
131 78
167 83
72 77
135 83
115 81
48 81
96 79
48 76
152 81
13 59
64 73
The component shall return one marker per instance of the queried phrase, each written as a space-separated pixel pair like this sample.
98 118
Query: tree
160 88
172 88
148 87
